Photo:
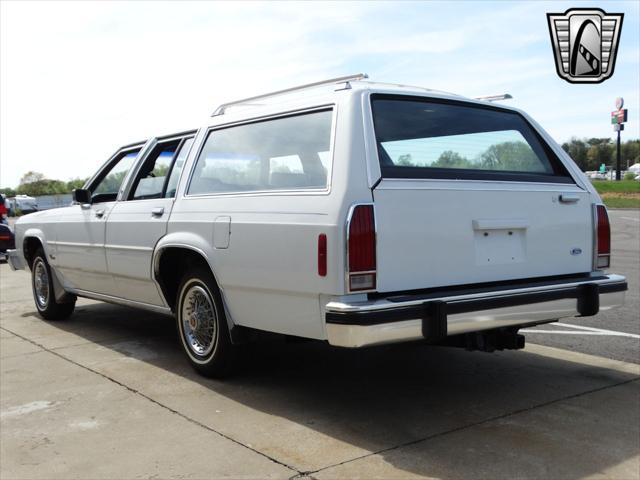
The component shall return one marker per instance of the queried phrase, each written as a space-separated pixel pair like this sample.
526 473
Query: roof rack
358 76
495 98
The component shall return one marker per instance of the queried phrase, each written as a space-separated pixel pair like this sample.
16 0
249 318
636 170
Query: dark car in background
7 241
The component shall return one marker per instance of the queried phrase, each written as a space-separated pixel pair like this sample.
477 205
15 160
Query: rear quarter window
285 153
423 138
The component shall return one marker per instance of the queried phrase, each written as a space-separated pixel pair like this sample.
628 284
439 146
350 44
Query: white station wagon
348 211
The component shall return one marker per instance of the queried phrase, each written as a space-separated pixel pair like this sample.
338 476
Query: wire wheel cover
199 320
41 283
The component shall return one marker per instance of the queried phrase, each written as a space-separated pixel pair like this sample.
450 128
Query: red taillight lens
362 249
603 237
322 255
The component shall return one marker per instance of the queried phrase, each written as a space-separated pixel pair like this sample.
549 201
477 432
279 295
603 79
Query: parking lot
108 394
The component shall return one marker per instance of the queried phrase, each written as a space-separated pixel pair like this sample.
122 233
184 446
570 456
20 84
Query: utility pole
618 155
617 119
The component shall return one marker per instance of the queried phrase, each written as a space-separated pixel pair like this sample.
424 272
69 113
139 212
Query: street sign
619 116
618 127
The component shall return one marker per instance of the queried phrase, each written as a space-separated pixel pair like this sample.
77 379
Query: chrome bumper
433 316
16 261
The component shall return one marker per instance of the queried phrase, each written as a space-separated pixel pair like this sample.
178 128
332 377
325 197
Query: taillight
322 255
603 238
361 250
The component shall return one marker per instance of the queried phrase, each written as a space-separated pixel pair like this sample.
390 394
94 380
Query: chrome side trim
119 301
75 244
129 247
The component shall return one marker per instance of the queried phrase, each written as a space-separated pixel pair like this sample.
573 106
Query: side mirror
81 196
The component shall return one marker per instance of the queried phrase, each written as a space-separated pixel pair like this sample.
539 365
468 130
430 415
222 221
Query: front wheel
43 294
202 325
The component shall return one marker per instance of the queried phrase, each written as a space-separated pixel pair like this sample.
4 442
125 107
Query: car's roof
321 95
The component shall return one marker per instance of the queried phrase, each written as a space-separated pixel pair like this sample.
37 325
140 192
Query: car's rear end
477 222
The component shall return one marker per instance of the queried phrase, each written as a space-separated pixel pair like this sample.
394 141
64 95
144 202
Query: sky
80 79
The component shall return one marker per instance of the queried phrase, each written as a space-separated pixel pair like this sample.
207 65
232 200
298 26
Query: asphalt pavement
621 340
109 394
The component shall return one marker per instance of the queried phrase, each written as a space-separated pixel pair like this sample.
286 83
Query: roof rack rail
222 108
495 98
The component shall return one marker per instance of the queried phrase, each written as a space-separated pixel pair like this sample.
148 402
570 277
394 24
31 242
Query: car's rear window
423 138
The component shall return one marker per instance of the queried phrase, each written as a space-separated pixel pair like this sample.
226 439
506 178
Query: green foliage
405 161
35 184
8 192
590 153
623 186
622 202
451 159
512 156
111 183
42 187
630 176
75 183
31 177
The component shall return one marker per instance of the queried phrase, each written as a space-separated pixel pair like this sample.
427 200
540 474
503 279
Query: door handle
99 213
157 212
566 198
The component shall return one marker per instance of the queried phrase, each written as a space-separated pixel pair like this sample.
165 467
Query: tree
451 159
31 177
512 156
630 153
600 151
43 187
75 183
577 150
405 161
8 192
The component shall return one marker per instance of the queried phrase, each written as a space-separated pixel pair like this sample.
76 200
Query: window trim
265 118
561 175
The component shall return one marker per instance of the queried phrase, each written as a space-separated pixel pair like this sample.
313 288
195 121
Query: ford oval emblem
576 251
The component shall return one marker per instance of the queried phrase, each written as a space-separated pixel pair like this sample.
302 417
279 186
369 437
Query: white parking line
573 332
584 331
631 218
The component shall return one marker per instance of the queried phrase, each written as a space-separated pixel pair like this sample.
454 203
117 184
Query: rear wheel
43 294
202 325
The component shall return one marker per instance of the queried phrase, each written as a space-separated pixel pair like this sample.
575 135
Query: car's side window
158 176
286 153
106 190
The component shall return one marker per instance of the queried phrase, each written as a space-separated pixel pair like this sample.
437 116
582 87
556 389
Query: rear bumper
16 261
433 316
